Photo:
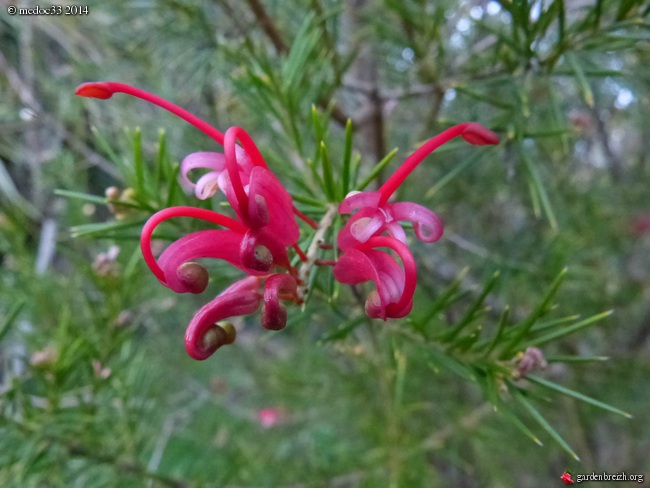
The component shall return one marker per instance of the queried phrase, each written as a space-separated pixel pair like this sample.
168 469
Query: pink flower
255 242
395 286
375 216
204 334
269 417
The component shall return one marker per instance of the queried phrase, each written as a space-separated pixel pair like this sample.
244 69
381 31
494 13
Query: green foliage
512 337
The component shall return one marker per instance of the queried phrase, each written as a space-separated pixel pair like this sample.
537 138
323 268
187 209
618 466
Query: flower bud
229 329
219 335
193 277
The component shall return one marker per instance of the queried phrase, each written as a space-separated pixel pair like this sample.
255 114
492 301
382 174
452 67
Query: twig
314 248
268 26
272 32
119 465
468 423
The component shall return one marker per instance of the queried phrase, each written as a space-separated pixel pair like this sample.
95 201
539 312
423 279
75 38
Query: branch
273 33
268 26
314 248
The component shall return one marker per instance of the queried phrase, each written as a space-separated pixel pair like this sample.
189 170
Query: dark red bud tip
274 317
94 90
193 277
480 136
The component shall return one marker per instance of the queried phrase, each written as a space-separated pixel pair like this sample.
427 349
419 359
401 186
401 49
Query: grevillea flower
255 242
375 216
395 286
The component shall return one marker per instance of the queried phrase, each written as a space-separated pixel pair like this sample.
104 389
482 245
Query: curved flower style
395 286
256 242
374 216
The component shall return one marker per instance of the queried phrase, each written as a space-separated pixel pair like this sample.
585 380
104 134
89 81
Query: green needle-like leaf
328 174
471 313
82 196
521 330
503 322
553 336
105 228
539 418
519 424
539 188
377 169
137 162
346 173
574 394
9 319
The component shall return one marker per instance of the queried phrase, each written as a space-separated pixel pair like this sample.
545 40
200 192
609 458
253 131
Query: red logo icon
566 477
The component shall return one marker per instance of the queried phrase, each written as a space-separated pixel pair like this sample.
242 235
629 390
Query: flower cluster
258 241
375 216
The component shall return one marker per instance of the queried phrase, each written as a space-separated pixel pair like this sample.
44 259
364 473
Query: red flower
395 286
375 216
256 242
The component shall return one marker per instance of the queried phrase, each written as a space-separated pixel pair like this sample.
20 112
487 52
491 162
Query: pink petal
359 200
396 230
241 298
402 307
390 286
217 244
215 162
362 225
354 267
274 316
207 185
364 228
271 206
269 240
254 254
357 266
426 224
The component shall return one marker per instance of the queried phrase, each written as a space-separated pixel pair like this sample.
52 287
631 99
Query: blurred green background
96 388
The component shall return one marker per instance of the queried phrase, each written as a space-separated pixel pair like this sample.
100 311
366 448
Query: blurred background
95 386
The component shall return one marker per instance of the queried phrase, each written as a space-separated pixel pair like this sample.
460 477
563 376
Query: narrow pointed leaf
377 169
574 394
552 336
503 322
9 319
519 424
576 359
347 158
539 418
137 161
328 174
539 188
472 312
